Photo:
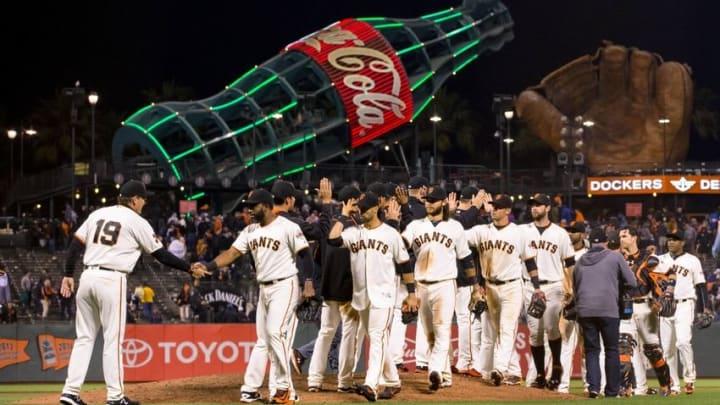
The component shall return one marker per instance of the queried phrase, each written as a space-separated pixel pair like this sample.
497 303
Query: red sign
667 184
188 206
368 75
633 209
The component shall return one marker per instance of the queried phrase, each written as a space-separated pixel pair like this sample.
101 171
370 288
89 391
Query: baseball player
438 242
676 331
467 213
643 319
113 239
375 248
555 258
278 248
336 289
503 247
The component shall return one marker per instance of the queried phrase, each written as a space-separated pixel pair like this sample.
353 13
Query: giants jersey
437 248
114 238
502 251
373 255
273 247
553 247
688 272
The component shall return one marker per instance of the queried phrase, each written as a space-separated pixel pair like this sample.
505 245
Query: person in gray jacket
596 283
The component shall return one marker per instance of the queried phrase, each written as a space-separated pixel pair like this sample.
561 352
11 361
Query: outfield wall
40 353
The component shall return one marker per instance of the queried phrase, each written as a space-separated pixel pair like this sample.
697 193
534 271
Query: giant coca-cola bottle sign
367 74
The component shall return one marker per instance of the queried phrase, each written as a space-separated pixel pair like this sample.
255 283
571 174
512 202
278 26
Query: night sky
121 48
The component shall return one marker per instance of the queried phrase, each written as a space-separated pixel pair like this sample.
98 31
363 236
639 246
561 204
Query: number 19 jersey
114 237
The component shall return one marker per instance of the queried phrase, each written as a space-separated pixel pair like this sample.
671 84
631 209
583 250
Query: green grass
708 393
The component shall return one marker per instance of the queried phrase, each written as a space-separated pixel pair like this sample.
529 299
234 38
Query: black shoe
250 396
593 394
70 399
389 392
401 367
122 401
420 369
539 382
651 391
435 381
347 390
496 377
367 392
555 377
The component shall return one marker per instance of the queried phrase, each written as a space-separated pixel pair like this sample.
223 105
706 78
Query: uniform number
107 233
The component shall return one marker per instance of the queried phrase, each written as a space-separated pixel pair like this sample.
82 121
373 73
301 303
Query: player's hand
348 206
401 195
67 287
622 91
199 270
392 211
308 289
411 303
452 202
325 191
478 294
541 294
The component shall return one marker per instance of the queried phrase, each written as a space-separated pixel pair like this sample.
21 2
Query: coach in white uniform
676 331
113 239
375 249
277 246
503 247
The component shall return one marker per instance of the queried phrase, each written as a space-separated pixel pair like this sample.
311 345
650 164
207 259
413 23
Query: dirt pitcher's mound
225 388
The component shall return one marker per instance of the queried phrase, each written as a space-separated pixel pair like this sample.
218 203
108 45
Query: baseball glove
309 310
537 306
478 307
407 315
621 90
703 320
665 305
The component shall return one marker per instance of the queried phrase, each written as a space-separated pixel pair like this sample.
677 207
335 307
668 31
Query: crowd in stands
201 236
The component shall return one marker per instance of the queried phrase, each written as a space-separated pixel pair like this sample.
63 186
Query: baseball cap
613 239
390 188
259 196
501 201
417 182
597 235
468 192
133 188
677 234
283 189
540 199
378 189
576 226
367 201
348 192
435 193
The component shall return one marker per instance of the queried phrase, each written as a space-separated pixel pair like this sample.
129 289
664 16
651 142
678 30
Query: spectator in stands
178 245
5 284
148 299
137 300
183 302
26 290
704 241
156 316
48 295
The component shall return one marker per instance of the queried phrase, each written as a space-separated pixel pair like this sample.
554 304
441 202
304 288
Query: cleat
389 392
70 399
297 360
512 380
347 390
689 388
435 381
496 377
314 388
420 369
539 382
248 397
122 401
455 370
283 397
367 392
651 391
555 376
401 368
471 372
593 394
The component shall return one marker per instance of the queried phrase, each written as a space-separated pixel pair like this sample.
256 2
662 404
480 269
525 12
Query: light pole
501 153
509 114
664 122
435 119
75 93
93 99
11 133
572 144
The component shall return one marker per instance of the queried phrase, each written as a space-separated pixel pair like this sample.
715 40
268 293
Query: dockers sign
667 184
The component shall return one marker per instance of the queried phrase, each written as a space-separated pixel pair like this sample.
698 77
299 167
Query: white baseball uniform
114 237
437 248
373 255
502 252
676 331
569 345
274 248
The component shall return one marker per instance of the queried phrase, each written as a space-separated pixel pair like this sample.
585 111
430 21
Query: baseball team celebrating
392 255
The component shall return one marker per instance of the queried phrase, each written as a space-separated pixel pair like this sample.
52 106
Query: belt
685 299
642 300
430 282
104 269
501 282
271 282
542 282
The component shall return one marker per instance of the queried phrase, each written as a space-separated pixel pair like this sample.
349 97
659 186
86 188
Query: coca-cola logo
136 353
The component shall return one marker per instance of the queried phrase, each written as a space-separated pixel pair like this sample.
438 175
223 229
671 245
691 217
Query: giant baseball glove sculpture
625 92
